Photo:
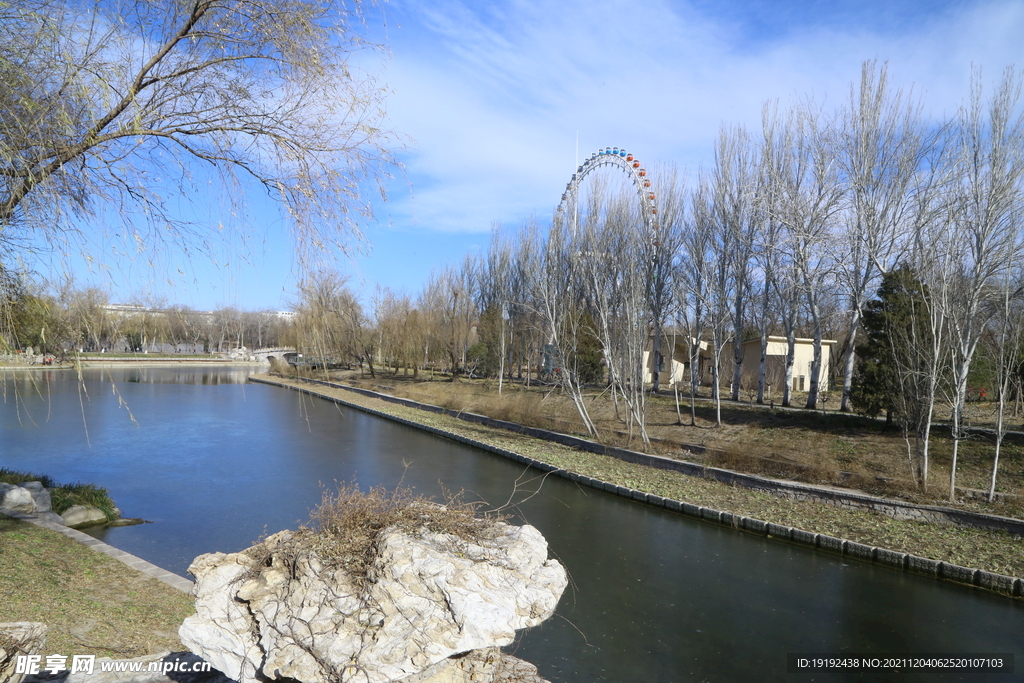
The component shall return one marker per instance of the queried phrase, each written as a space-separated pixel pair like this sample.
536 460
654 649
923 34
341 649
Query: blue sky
491 98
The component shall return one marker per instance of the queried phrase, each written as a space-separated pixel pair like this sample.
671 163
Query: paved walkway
137 563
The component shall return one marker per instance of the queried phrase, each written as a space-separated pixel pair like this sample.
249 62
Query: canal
215 463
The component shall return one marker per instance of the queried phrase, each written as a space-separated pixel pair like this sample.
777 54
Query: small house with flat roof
678 362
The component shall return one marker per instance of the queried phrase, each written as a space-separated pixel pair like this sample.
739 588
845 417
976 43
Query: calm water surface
214 463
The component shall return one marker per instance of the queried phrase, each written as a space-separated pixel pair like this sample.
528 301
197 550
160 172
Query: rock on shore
434 609
31 498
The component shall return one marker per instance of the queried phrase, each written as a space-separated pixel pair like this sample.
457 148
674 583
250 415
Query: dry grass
91 603
347 526
818 447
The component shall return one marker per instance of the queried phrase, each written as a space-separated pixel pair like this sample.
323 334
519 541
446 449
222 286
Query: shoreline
970 556
140 362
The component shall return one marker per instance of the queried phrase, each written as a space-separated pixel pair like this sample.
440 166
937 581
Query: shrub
64 496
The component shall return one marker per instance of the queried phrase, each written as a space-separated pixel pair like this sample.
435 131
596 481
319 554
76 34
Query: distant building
678 367
775 362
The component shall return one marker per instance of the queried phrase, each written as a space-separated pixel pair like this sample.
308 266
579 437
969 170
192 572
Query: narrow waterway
215 463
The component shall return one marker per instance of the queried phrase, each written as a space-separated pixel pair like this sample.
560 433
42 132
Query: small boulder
17 498
78 516
19 638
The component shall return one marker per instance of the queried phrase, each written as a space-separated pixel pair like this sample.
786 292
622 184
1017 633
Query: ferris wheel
634 170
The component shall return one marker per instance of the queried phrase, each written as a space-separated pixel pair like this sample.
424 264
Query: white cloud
495 95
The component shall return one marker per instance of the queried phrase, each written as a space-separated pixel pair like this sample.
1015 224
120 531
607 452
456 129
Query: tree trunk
851 357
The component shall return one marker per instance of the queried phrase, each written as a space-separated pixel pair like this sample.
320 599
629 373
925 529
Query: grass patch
91 603
16 477
63 496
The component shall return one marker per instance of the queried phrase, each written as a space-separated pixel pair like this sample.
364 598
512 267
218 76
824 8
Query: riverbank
104 362
819 447
992 551
92 603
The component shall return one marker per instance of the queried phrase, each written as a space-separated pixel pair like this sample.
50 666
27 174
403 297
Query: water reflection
654 596
36 379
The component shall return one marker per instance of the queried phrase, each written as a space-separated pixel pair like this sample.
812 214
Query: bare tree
881 144
733 187
497 291
527 320
985 208
1006 344
692 283
448 297
768 251
661 247
807 190
329 320
712 244
178 330
89 324
128 102
614 248
558 297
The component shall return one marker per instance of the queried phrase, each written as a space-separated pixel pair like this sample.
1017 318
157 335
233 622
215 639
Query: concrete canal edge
1004 585
136 563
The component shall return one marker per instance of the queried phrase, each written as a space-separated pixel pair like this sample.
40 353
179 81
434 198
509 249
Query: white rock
18 499
50 516
41 500
430 596
83 515
221 629
26 638
490 665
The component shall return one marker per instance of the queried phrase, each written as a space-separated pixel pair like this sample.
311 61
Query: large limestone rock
428 597
19 638
222 629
